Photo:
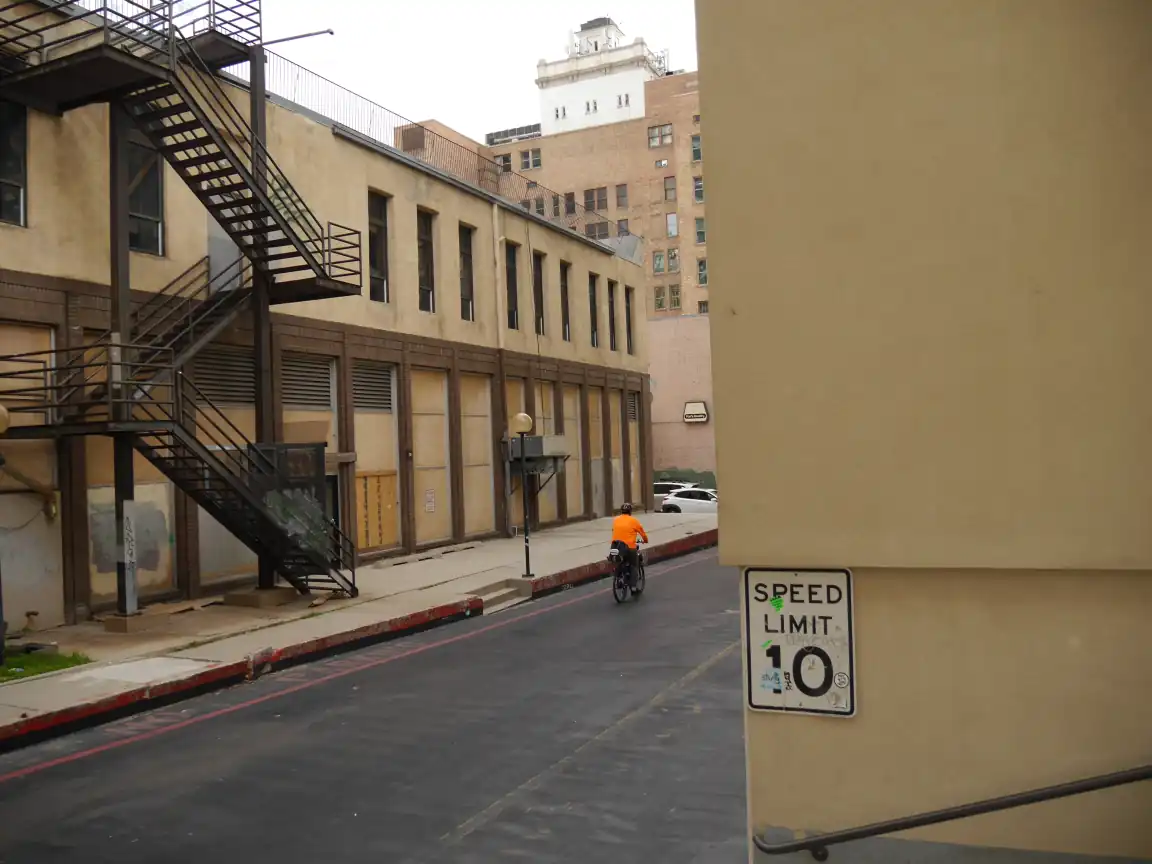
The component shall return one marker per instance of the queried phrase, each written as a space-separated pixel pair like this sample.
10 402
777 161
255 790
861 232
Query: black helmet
626 508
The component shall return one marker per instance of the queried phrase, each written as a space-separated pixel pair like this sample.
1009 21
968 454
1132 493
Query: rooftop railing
362 116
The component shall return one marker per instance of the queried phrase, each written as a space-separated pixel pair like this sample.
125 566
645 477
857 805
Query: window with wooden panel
467 274
538 291
378 247
593 309
611 315
426 259
565 321
511 261
13 163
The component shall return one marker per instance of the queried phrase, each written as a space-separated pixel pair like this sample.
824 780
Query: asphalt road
566 730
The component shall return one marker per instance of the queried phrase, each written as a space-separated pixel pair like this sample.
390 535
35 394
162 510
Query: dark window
611 315
702 271
539 206
669 188
659 135
530 159
467 279
673 296
702 307
13 163
697 153
426 260
628 292
593 312
701 230
145 200
538 291
510 255
378 247
504 160
698 189
622 227
565 322
658 295
555 206
622 196
570 203
598 230
596 199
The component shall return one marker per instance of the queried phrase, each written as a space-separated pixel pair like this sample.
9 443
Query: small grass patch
17 666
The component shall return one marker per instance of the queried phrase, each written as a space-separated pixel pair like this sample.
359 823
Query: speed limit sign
798 641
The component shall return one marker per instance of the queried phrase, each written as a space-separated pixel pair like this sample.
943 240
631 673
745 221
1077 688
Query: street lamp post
522 425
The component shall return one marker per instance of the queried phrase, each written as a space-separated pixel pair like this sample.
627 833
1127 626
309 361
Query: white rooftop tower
601 80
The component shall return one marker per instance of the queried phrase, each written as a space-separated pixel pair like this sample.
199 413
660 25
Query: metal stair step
223 189
196 161
162 113
186 145
206 176
193 125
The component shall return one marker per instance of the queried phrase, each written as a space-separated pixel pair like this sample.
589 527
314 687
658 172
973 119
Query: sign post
800 656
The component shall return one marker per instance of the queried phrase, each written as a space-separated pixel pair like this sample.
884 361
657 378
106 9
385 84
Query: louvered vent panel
306 381
633 407
226 375
372 385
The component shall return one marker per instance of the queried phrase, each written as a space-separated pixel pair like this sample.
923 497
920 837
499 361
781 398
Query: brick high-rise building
620 134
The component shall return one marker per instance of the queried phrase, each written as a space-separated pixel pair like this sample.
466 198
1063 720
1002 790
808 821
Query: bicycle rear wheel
619 587
638 588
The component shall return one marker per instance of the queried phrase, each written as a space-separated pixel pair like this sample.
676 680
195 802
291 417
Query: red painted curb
260 662
217 675
601 569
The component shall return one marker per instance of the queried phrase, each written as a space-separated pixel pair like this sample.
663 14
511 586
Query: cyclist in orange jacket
626 528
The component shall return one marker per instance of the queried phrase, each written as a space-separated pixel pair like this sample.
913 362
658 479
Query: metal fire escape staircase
159 62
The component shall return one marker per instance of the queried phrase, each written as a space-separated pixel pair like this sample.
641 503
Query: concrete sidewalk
208 644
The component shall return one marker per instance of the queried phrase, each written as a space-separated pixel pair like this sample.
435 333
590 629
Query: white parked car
691 500
662 488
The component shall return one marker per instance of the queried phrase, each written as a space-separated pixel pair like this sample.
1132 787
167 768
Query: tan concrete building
646 175
439 312
932 236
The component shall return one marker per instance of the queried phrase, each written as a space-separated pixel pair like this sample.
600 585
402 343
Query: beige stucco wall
939 264
430 455
334 176
68 209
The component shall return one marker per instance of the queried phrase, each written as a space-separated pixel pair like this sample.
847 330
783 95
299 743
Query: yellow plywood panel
430 441
638 494
595 424
514 392
574 467
310 426
614 408
477 440
429 391
376 445
479 500
476 395
24 339
547 501
378 506
433 505
545 409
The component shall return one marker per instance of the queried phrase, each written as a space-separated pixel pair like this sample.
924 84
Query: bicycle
622 583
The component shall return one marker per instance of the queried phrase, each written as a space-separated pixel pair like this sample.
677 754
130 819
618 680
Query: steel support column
119 132
261 304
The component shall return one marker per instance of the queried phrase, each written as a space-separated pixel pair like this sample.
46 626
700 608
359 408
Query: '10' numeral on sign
798 670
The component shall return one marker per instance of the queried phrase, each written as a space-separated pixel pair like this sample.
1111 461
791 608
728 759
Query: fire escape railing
818 843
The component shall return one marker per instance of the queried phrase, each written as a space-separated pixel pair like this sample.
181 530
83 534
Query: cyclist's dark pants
629 558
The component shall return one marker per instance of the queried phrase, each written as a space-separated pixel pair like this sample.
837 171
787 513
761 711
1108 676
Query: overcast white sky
469 63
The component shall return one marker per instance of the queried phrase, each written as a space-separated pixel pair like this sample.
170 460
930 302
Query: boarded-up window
226 375
372 386
306 381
